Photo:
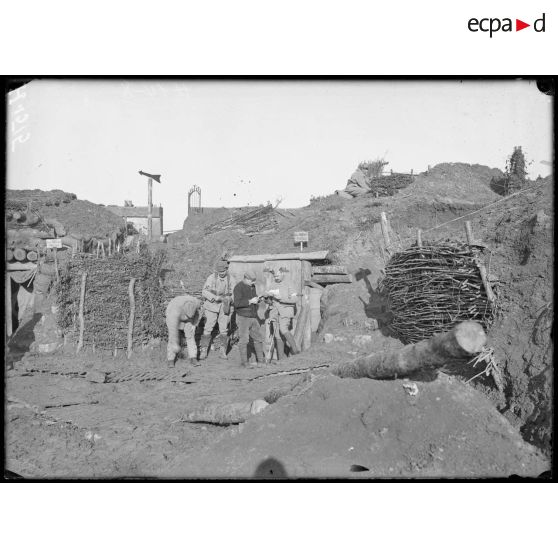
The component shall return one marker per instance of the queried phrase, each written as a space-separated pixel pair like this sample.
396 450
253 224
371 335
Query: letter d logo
539 24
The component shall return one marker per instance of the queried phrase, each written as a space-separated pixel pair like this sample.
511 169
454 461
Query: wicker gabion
430 288
107 304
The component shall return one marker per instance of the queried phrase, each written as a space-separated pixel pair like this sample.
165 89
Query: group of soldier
227 307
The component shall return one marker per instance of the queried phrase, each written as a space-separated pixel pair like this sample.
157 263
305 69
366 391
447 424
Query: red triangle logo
519 25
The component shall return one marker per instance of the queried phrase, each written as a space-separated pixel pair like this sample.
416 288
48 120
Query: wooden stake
149 209
469 233
81 305
385 233
484 276
8 305
132 312
419 238
103 249
56 263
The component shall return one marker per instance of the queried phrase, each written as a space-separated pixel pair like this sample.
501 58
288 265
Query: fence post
419 238
384 225
469 233
132 312
81 305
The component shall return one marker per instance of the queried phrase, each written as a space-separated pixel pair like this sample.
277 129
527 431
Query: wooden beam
305 256
329 269
20 266
313 285
330 279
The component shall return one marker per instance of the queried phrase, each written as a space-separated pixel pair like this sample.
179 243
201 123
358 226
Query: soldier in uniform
281 312
183 314
217 297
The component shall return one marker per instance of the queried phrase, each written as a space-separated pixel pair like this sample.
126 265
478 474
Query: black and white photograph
279 279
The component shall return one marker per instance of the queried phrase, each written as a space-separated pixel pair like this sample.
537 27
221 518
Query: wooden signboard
300 236
54 243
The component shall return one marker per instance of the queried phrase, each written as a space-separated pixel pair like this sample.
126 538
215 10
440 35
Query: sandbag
355 190
343 194
58 227
359 179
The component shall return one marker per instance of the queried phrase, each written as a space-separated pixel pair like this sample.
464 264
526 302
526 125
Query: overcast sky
248 142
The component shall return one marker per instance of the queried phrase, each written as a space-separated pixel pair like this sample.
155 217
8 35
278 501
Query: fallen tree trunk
463 341
224 415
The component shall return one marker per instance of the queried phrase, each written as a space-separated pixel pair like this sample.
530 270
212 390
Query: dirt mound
459 181
367 428
79 217
20 198
519 232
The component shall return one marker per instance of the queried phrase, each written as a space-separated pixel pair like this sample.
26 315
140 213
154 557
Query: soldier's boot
224 340
243 350
280 348
170 363
258 347
194 362
291 343
204 346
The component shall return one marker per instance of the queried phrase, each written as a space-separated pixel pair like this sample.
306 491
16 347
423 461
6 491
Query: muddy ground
61 424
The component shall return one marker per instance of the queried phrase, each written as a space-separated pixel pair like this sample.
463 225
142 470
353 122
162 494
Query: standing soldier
183 313
217 302
282 312
249 327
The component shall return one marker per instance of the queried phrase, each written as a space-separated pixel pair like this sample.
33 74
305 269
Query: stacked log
20 254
